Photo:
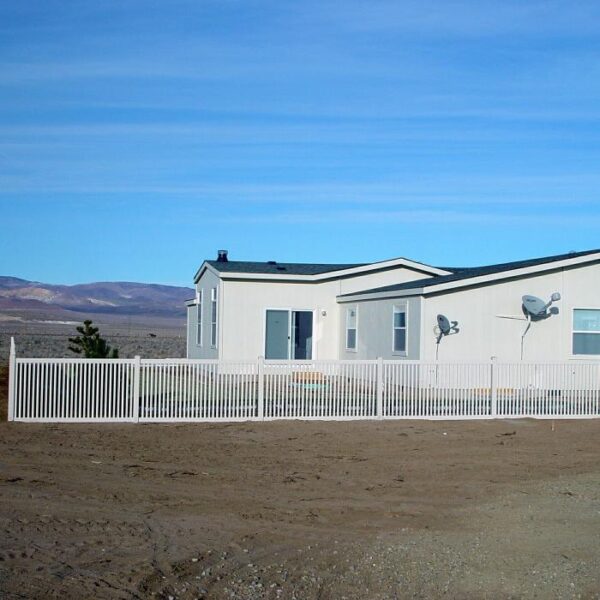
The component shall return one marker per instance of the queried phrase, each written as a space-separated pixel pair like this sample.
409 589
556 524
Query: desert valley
143 319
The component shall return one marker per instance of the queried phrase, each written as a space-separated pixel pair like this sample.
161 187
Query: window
213 317
351 327
586 331
399 343
351 319
199 319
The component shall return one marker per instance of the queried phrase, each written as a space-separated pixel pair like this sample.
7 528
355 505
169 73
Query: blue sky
137 138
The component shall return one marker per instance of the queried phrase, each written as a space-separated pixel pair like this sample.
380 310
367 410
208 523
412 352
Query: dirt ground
490 509
51 340
3 392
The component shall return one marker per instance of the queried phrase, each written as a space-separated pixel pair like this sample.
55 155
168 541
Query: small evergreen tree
90 344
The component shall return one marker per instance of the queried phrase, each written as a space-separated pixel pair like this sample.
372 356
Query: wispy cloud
321 128
502 191
421 217
463 18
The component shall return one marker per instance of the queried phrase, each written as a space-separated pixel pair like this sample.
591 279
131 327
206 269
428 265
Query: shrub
90 344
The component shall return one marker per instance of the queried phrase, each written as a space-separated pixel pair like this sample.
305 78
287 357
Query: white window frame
574 331
214 317
199 320
400 308
355 328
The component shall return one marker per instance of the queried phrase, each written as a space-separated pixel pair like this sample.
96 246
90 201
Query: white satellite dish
536 308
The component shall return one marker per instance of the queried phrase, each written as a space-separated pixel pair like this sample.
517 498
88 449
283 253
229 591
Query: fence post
12 374
380 388
261 387
493 388
137 366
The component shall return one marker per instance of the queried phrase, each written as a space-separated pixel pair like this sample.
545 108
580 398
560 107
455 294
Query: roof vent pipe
222 256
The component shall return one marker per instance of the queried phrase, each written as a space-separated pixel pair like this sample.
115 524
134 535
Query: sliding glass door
277 345
289 334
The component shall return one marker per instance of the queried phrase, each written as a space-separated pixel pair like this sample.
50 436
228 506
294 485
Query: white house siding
208 281
483 334
191 331
379 279
243 305
374 334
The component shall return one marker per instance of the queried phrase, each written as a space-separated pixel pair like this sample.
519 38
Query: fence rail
136 390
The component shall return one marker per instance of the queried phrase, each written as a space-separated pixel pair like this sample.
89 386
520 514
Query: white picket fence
165 390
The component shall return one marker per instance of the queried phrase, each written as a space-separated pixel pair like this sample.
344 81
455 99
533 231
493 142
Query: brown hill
103 298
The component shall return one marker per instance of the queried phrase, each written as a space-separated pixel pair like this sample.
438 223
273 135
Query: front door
289 334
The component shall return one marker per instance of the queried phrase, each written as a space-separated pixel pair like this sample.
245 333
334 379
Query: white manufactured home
391 310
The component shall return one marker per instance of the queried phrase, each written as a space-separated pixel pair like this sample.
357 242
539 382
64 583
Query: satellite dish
535 309
444 327
444 324
533 305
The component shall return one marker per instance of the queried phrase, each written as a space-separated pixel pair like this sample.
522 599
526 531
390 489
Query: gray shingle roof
279 268
464 273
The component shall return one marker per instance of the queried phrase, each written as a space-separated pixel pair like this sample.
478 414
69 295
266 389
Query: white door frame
290 310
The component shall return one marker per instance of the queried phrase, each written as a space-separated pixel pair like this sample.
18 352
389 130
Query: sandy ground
51 340
503 509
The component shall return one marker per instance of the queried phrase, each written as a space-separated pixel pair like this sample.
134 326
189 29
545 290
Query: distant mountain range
105 299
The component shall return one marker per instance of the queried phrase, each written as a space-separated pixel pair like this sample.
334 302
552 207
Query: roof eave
358 297
206 267
471 281
400 262
522 272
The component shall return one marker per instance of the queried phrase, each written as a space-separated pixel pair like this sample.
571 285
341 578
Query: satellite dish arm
525 333
554 298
